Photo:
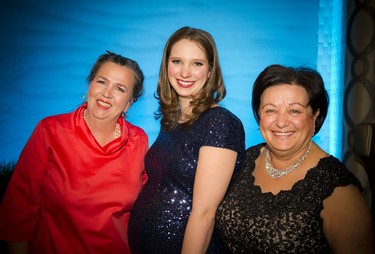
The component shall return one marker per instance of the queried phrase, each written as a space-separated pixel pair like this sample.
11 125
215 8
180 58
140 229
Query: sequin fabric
250 221
159 217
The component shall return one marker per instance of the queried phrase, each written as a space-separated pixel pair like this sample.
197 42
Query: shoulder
336 172
52 121
220 117
253 152
329 174
52 126
136 131
220 128
221 114
221 120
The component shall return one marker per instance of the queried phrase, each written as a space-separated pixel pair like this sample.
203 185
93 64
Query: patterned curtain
359 96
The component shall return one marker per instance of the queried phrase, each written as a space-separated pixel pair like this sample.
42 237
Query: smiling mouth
103 104
185 84
282 134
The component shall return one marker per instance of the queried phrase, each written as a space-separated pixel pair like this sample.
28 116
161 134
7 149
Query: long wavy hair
211 93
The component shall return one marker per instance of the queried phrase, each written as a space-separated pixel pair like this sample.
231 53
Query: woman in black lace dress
290 196
190 165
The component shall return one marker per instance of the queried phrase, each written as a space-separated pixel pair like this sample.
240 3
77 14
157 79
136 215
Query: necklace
117 133
276 173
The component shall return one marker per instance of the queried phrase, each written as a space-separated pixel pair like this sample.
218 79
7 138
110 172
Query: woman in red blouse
79 174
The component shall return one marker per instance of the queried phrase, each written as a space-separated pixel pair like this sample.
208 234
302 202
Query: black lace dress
249 221
160 214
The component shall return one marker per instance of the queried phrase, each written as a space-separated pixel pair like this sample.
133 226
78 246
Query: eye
100 81
295 112
121 89
198 64
268 111
175 61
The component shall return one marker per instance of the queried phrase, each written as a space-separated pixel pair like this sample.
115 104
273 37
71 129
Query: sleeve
331 173
225 130
340 176
21 202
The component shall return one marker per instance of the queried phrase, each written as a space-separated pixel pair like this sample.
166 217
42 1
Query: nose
282 120
185 71
107 92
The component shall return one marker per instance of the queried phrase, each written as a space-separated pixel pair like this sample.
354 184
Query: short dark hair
305 77
122 61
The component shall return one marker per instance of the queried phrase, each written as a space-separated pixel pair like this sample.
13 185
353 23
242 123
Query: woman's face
188 68
286 120
110 92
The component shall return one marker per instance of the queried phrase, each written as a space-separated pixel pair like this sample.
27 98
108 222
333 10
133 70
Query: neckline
295 186
85 136
203 113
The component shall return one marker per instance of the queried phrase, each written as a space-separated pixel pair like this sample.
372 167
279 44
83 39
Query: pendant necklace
117 133
276 173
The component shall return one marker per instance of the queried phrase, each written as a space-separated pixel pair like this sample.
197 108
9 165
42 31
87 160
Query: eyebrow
290 104
119 84
181 58
297 103
102 77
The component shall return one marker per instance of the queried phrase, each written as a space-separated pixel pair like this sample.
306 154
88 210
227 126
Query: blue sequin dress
160 214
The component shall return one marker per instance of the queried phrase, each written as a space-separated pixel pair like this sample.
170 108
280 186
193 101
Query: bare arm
214 171
347 222
18 248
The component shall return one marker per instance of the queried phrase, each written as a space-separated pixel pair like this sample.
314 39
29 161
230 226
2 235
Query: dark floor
6 170
3 247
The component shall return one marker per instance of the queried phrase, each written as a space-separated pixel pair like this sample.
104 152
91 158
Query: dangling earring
84 98
125 114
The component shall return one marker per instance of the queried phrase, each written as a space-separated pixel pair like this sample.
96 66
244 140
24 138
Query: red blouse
68 194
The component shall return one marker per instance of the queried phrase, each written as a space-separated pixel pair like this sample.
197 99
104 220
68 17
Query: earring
125 114
84 98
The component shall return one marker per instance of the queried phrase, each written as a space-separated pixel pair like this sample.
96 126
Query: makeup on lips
185 84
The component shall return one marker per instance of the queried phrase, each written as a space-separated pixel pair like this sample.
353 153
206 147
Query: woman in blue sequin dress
199 146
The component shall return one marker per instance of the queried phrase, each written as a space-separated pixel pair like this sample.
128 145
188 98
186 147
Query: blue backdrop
48 47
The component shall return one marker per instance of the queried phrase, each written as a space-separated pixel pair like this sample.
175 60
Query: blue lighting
331 49
48 48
